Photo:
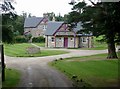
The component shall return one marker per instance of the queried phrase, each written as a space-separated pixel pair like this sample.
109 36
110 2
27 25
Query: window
84 39
52 39
71 39
59 39
44 27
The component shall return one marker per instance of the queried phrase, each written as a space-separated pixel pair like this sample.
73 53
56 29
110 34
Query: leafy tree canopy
102 18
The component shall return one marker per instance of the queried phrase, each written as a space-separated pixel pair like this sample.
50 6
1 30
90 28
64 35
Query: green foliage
7 34
90 69
12 78
18 25
8 17
28 37
59 18
101 19
20 39
40 39
12 24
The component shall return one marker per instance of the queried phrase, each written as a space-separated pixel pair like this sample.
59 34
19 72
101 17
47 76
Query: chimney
53 19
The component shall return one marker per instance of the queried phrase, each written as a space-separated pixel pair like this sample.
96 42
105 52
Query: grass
99 46
19 50
94 70
40 44
12 78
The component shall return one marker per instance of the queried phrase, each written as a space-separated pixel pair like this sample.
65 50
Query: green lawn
12 78
19 50
40 44
96 71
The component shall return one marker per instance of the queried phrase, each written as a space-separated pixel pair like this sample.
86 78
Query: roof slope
32 21
52 27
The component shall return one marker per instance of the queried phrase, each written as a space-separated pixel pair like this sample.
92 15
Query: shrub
20 39
28 36
40 39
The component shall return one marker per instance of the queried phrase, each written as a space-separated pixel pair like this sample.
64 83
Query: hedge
40 39
21 39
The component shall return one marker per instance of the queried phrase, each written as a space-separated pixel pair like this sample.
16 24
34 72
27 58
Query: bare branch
92 2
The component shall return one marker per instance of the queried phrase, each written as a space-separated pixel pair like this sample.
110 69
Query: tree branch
92 2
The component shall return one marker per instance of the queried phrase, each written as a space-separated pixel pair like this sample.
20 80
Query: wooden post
2 62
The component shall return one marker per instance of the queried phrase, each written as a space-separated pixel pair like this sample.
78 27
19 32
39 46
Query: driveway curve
36 72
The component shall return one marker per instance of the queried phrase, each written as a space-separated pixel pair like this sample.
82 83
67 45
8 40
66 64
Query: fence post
2 62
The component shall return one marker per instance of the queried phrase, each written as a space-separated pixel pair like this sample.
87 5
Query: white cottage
59 35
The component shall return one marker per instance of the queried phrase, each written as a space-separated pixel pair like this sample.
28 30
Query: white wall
71 42
50 43
59 41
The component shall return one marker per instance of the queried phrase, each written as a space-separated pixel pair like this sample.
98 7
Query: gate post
2 62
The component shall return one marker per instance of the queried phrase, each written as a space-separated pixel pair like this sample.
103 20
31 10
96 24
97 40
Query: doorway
66 42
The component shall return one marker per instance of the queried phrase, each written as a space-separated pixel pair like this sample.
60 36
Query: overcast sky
38 7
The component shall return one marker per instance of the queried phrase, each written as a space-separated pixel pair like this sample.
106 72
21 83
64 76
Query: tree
18 25
101 18
59 18
8 16
49 15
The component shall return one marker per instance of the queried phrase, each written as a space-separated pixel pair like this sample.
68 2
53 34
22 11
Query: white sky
38 7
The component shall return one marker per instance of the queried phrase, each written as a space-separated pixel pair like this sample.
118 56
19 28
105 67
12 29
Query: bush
20 39
40 39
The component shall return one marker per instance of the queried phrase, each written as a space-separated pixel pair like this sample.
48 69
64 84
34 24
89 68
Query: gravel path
36 72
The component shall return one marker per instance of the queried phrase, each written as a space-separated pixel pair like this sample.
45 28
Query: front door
65 42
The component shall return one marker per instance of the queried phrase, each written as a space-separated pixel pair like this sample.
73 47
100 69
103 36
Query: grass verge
95 71
12 78
19 50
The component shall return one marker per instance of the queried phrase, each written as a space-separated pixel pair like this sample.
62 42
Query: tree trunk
112 51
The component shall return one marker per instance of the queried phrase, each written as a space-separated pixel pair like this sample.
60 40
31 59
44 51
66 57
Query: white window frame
60 39
71 39
52 39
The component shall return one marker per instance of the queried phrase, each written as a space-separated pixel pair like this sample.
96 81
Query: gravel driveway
36 72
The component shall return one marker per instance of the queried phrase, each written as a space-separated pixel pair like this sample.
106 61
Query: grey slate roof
32 21
52 27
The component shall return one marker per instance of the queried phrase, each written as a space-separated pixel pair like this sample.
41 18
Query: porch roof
52 27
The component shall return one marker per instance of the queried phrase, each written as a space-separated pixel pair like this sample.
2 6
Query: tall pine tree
102 18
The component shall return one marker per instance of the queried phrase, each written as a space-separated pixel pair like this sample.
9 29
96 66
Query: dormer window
44 27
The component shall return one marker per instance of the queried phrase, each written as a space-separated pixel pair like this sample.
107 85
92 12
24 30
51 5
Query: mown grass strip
19 50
